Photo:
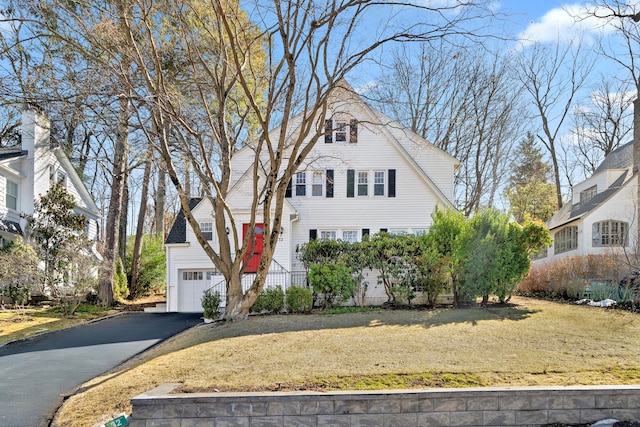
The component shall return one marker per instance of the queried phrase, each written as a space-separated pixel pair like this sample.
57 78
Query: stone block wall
509 406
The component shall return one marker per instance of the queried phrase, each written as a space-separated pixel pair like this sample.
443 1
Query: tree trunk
134 290
238 304
124 211
161 201
115 204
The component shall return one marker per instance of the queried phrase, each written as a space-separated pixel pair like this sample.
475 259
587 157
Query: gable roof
178 232
569 212
407 147
79 185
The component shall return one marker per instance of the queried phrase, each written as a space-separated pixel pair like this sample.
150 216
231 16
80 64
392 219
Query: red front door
254 252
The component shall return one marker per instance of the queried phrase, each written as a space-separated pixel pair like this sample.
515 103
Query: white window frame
609 233
588 194
362 182
301 184
378 183
207 230
565 240
11 196
398 231
327 234
191 275
350 236
317 184
340 133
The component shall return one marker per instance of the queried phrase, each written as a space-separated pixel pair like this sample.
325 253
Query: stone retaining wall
509 406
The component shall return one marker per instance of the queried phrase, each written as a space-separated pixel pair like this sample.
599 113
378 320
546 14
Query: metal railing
277 276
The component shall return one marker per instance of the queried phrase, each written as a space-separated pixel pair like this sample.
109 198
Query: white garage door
192 284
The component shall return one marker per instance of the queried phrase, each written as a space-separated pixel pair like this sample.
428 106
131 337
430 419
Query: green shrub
211 304
270 300
152 274
402 294
120 285
299 299
333 281
19 294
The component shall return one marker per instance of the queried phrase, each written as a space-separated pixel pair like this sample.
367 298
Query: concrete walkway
35 374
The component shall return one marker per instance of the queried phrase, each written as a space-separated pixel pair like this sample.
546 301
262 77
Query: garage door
192 284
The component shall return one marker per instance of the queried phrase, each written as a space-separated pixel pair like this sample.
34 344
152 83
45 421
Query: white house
602 216
367 174
27 172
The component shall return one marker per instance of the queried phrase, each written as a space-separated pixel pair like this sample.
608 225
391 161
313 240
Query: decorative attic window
588 194
341 130
610 233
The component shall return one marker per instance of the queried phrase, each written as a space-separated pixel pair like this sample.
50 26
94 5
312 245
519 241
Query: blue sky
550 20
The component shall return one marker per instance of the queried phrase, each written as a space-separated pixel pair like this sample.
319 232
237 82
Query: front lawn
531 342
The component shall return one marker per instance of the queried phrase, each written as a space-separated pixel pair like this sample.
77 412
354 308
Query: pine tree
531 192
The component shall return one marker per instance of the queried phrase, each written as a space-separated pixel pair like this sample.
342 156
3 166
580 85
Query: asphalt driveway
36 373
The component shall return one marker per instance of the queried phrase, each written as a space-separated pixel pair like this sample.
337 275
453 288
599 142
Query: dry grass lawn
20 324
532 342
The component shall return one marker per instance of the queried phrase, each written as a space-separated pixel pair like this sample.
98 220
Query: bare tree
552 77
214 78
307 48
465 101
601 125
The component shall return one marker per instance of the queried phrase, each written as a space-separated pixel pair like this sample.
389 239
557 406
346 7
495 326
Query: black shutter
328 131
313 235
289 191
391 191
383 230
365 232
351 179
329 182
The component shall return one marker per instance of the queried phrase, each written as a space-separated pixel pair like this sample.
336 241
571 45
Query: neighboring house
27 172
602 216
367 174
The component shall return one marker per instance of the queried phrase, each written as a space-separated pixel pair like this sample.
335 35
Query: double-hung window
350 236
301 184
378 183
11 195
327 234
316 185
207 230
363 183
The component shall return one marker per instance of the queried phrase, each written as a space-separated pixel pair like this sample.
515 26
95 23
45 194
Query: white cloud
565 24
